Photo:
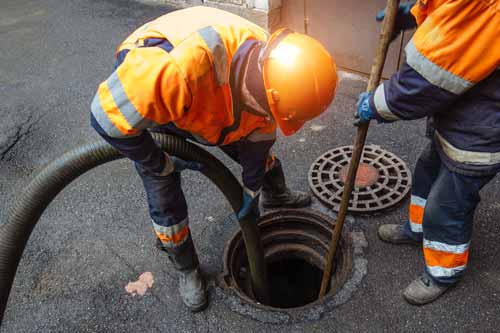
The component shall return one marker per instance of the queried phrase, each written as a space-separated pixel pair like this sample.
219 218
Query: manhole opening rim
346 272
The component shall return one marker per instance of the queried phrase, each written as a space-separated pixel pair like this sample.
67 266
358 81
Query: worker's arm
408 95
140 148
452 50
253 158
145 91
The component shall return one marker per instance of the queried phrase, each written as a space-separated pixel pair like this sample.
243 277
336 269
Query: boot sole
198 308
402 242
201 307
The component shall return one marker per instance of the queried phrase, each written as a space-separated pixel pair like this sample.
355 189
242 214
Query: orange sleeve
145 91
456 44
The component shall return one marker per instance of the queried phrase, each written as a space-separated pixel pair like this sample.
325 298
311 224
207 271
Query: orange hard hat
300 78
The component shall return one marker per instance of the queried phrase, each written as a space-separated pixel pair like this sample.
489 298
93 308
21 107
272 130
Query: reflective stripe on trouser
167 207
448 217
443 260
425 173
174 235
416 213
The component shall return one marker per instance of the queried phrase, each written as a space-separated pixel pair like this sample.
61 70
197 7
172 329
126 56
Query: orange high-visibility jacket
187 86
456 43
452 74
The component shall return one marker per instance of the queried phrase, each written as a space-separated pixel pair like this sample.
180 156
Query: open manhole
293 282
382 180
296 245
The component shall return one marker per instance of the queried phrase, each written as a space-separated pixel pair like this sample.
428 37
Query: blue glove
363 112
249 205
404 19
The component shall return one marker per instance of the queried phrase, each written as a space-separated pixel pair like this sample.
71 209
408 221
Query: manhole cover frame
394 180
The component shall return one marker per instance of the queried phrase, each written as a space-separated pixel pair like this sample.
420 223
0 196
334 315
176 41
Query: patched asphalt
95 237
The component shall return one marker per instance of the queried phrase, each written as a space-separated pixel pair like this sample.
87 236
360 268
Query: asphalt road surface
95 237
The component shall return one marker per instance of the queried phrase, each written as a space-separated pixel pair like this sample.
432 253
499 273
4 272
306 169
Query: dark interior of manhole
295 246
293 282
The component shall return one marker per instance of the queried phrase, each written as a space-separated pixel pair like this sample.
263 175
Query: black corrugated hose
14 234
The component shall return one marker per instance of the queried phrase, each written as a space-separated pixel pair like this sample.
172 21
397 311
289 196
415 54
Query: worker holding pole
213 78
451 75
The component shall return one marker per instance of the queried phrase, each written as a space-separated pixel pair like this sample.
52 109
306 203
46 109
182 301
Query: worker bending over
216 79
452 76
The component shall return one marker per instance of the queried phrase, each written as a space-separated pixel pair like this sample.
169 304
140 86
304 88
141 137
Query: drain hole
293 282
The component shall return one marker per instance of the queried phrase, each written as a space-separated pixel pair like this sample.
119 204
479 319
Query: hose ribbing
40 192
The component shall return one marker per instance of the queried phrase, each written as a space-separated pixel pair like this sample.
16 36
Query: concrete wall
265 13
348 29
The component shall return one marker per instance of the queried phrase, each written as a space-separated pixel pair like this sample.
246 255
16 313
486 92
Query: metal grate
382 181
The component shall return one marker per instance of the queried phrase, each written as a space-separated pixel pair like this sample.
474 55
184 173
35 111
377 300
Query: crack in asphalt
25 129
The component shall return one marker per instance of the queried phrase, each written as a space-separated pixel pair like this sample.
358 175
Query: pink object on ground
140 286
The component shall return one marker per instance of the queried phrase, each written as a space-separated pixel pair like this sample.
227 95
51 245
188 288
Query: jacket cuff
378 104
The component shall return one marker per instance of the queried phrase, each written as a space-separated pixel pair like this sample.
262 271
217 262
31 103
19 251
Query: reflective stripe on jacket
451 73
189 86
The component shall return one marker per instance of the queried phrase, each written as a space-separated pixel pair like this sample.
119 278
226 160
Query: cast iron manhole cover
382 181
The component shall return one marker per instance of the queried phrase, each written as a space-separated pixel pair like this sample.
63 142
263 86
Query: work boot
192 286
394 233
275 193
424 290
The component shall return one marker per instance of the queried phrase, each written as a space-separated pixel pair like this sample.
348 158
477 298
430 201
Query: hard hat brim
289 127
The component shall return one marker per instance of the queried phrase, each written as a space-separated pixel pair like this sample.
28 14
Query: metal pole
306 19
375 75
